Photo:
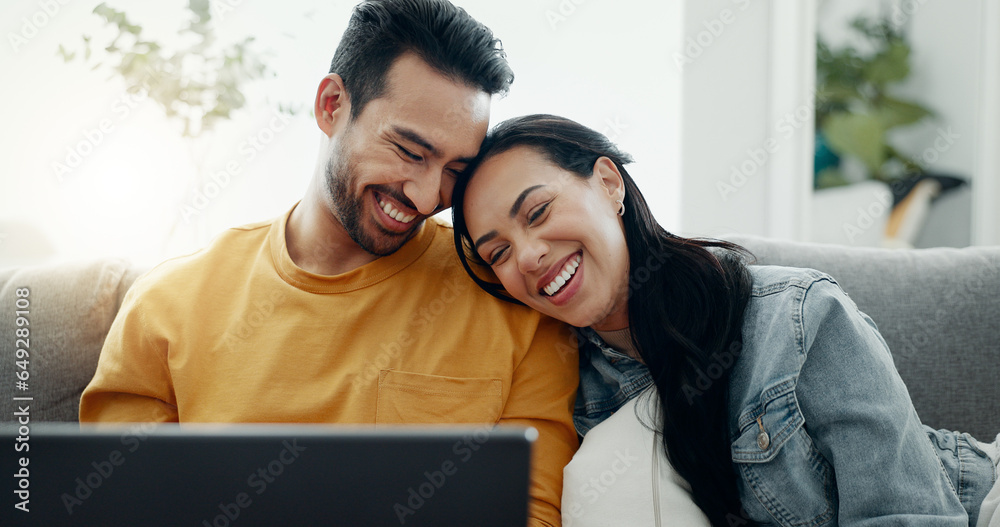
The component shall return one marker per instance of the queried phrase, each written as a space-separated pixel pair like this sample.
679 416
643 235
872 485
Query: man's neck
318 243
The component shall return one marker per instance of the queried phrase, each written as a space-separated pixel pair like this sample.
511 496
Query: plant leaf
895 112
859 135
891 65
66 55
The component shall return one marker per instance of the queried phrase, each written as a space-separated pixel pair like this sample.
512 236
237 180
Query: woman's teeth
395 214
563 277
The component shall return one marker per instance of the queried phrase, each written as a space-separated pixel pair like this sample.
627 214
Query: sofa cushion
71 307
938 310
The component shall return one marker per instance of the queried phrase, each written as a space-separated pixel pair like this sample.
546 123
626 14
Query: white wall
986 216
747 117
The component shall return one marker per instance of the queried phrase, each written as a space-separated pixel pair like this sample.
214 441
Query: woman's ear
610 178
333 104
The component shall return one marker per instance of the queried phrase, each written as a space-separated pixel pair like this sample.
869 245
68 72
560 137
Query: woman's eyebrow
520 200
484 238
513 213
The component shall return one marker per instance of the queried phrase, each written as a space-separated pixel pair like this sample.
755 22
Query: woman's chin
566 315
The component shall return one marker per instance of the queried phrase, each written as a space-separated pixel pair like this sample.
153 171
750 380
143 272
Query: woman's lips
570 288
554 271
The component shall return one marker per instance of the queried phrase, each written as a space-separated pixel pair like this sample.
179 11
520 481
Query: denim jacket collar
608 379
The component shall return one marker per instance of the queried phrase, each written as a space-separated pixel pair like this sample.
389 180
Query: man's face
396 164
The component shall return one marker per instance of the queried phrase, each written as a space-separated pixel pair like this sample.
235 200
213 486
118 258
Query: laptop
243 475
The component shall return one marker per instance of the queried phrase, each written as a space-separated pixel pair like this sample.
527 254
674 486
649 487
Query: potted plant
854 109
854 113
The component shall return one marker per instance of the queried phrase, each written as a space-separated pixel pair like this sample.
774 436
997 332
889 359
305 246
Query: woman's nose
530 254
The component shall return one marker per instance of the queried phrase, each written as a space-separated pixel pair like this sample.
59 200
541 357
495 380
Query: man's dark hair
445 36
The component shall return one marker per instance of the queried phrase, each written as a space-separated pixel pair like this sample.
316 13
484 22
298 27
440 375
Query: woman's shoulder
797 288
769 279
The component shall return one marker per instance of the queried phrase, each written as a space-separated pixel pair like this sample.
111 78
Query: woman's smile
553 237
565 284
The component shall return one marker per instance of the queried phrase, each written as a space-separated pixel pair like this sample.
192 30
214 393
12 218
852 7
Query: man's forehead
448 114
410 79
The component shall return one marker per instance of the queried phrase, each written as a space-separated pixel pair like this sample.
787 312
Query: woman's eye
537 213
409 154
497 256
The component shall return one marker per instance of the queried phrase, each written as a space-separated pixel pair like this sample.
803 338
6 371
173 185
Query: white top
610 481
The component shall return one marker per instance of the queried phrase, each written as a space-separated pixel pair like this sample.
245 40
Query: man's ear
609 177
333 104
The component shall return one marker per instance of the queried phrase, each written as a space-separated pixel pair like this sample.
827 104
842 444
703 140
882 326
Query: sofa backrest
70 308
938 310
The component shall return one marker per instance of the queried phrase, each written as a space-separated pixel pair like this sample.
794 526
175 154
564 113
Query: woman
773 398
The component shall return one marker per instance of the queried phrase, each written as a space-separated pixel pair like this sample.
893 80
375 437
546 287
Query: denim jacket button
763 440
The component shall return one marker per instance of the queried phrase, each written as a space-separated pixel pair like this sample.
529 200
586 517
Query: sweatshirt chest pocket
405 397
785 478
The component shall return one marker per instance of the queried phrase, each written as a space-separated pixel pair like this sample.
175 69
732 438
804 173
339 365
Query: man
353 308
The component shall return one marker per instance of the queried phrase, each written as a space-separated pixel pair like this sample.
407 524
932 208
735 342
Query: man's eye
409 154
537 213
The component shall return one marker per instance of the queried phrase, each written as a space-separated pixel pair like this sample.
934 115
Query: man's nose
424 191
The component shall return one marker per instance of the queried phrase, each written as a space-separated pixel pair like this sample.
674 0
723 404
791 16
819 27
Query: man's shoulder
442 260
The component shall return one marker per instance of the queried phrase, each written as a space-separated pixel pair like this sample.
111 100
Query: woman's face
553 238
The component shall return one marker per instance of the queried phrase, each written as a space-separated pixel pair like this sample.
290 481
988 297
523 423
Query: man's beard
348 208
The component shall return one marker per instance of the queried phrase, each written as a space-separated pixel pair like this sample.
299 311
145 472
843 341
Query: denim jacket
821 426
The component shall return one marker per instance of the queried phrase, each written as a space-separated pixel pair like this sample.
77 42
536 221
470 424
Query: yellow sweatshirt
238 333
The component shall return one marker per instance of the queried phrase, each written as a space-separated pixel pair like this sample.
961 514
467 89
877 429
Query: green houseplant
854 107
197 83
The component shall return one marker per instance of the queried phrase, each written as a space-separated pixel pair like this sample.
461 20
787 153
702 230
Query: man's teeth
395 214
563 277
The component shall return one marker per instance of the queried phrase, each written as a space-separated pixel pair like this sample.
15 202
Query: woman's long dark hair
685 308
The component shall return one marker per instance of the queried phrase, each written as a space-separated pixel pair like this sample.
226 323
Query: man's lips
394 215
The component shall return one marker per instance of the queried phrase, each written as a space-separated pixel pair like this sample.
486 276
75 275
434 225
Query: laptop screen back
245 475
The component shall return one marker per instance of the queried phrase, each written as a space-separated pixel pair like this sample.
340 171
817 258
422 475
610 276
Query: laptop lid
245 475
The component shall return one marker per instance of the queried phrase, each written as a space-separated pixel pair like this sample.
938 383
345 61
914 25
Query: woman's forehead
512 168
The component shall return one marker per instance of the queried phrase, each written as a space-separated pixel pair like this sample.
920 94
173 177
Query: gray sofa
939 310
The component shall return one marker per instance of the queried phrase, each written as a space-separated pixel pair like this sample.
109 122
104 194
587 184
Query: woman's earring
621 207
